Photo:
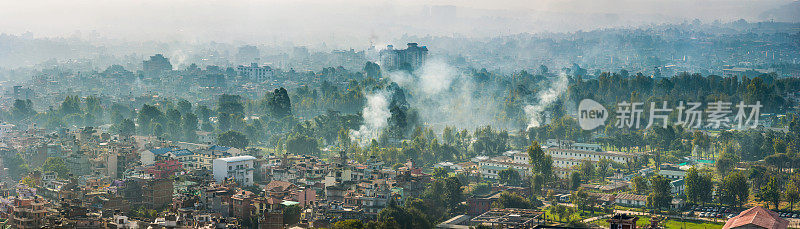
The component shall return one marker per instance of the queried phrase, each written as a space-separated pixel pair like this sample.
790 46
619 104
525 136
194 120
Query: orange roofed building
757 217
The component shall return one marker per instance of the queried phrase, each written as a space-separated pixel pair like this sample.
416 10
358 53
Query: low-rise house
757 217
677 186
671 172
477 205
148 157
631 200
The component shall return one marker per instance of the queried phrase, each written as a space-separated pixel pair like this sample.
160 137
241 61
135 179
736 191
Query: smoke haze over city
344 24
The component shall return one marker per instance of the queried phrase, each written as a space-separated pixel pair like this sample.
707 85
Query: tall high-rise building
410 58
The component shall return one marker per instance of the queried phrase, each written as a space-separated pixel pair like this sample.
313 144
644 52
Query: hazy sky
314 21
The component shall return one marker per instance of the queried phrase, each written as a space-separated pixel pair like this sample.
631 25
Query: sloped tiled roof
627 196
282 185
757 216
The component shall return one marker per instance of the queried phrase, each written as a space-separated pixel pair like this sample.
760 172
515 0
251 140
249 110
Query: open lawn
576 216
671 223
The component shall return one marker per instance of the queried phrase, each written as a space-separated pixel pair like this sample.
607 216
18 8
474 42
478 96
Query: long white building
594 156
564 159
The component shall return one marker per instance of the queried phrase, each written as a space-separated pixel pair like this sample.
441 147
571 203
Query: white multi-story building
568 155
563 159
567 144
491 168
254 72
567 158
239 168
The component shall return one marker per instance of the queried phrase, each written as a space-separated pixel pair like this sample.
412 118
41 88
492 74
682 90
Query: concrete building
413 56
29 212
491 168
672 173
631 200
148 157
567 156
240 168
254 72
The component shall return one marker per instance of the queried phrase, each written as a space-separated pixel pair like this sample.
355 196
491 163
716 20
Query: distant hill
786 13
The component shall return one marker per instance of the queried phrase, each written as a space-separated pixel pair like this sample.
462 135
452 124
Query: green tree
189 124
71 105
57 165
724 165
203 112
771 192
481 189
575 180
581 199
509 176
512 200
184 106
158 130
233 139
541 162
94 109
230 104
698 186
587 169
147 117
405 219
174 123
733 190
22 109
372 69
439 173
726 161
793 190
537 182
301 144
349 224
660 196
639 185
17 166
291 214
603 167
278 103
126 127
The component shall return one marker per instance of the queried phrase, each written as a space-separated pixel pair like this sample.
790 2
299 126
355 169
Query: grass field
577 216
671 223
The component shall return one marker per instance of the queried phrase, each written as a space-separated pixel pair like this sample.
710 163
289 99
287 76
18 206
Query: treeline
611 88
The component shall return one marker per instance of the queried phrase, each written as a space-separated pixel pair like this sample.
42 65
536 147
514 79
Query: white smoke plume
446 96
443 95
545 98
376 118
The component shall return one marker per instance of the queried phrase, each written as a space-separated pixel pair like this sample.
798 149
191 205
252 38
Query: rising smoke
446 96
376 117
535 111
